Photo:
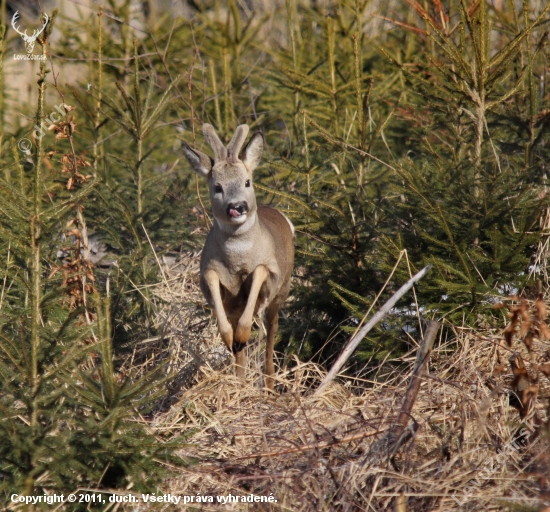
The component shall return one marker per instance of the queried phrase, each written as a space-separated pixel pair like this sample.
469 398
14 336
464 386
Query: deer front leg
244 327
239 352
212 280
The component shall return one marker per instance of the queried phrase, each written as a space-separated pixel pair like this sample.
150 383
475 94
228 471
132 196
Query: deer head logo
29 40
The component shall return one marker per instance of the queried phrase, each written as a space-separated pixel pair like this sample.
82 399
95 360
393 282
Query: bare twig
324 444
399 434
422 357
382 312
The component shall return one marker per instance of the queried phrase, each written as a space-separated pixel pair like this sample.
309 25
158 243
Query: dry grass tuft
314 451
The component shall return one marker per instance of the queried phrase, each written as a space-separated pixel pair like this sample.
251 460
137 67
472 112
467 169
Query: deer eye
218 189
247 184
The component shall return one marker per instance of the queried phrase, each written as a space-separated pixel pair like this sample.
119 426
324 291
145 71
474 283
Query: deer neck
242 234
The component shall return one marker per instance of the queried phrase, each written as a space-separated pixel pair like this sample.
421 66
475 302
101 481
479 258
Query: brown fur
247 260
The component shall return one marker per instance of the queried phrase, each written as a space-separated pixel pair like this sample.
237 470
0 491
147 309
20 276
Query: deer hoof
242 334
237 347
227 337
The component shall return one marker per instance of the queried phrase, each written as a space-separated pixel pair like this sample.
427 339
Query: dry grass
314 451
187 331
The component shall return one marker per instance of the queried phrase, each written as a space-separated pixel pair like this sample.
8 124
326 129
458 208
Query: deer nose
237 209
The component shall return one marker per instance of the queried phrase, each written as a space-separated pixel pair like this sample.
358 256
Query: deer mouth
237 212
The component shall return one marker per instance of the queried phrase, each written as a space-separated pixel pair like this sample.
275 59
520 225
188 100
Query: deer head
29 40
229 176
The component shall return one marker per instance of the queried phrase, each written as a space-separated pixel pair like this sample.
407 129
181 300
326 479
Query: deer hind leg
272 319
240 362
244 326
212 281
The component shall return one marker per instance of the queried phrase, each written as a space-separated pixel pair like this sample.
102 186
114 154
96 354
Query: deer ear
201 163
253 152
210 135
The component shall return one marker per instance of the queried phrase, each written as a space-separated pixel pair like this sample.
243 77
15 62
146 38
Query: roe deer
247 260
